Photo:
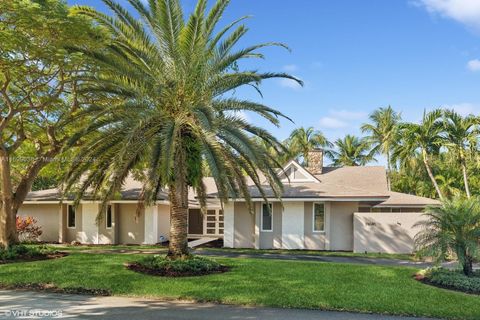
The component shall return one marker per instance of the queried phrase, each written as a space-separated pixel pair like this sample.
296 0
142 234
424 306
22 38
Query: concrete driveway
19 304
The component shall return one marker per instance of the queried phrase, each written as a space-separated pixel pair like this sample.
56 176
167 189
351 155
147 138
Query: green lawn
275 283
314 252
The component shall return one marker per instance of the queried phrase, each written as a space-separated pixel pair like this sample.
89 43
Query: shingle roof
397 199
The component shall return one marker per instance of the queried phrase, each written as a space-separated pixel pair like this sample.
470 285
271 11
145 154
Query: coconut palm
421 138
461 135
178 78
350 151
303 140
452 227
382 131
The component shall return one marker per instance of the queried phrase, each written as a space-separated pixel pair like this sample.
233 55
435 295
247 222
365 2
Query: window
318 217
71 216
108 218
266 217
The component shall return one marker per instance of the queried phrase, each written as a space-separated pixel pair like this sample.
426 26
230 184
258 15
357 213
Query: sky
356 56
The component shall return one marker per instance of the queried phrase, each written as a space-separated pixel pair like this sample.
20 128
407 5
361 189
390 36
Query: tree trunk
465 176
430 174
389 171
8 234
468 266
178 246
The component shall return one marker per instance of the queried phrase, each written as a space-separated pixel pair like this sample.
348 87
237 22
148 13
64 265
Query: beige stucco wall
74 234
313 240
244 227
341 225
47 216
163 221
385 231
130 230
270 239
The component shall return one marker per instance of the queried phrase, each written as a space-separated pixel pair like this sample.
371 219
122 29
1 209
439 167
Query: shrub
190 266
22 252
27 229
453 279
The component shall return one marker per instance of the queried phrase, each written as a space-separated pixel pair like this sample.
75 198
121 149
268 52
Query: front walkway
15 304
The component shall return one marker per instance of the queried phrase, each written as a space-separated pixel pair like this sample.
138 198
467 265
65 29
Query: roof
362 183
397 199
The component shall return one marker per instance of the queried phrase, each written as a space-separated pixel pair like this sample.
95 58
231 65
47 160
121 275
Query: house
322 208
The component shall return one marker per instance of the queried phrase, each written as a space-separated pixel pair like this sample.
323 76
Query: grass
276 283
315 252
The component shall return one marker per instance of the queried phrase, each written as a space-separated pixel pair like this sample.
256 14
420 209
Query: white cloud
289 83
465 108
473 65
290 67
463 11
337 119
332 123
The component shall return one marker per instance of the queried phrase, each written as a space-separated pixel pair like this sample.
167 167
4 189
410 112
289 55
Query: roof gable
293 172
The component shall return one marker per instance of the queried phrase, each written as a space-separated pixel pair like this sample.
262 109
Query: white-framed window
71 216
266 217
318 217
108 217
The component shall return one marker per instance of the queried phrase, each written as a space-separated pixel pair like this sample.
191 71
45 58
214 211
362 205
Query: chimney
315 161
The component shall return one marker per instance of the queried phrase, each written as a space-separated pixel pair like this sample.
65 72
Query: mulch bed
55 255
167 273
47 287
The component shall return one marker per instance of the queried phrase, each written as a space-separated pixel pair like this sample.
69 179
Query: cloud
289 83
473 65
337 119
464 109
332 123
290 67
466 12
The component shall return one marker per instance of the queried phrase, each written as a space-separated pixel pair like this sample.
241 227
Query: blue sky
356 56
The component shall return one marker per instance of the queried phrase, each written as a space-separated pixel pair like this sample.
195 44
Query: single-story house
322 208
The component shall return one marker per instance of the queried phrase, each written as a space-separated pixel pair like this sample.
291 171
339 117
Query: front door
195 221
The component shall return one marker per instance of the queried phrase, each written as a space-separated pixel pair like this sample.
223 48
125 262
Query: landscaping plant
27 229
452 227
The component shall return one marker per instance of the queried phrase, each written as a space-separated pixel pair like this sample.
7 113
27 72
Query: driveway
15 304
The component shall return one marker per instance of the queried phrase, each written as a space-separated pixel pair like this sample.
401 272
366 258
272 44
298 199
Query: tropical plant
382 131
423 138
178 78
452 227
303 140
461 137
351 151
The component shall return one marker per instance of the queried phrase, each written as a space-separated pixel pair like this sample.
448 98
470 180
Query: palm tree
423 138
452 227
461 135
351 151
382 131
303 140
177 78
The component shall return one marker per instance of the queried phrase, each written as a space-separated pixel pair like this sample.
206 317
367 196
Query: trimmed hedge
453 279
190 266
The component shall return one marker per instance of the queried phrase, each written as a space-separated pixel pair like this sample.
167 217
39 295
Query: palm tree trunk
465 176
430 174
8 234
178 246
389 168
467 265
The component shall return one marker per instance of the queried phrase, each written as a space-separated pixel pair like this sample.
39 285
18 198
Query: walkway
14 304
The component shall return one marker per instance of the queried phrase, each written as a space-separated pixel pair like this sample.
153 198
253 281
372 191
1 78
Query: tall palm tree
423 138
454 226
178 78
382 131
351 151
303 140
461 135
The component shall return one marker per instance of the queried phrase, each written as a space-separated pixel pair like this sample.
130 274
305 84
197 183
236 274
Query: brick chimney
315 161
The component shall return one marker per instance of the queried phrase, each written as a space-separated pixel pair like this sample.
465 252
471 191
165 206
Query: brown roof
397 199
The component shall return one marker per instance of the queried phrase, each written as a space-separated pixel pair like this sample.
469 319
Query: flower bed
22 253
451 279
190 266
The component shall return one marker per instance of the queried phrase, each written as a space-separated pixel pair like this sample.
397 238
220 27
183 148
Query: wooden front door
195 221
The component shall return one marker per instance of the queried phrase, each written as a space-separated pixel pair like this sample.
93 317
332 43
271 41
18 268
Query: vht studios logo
32 313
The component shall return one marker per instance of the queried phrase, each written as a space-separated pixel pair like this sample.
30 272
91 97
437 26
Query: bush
22 252
190 266
27 229
453 279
